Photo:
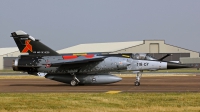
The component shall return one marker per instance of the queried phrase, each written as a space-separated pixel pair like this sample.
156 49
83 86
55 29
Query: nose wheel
75 80
138 77
137 83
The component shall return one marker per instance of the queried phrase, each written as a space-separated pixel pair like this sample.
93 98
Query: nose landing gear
138 77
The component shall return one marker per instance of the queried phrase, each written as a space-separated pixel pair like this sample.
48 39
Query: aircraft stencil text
142 64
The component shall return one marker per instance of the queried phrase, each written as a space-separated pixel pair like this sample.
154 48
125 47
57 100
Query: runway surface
148 84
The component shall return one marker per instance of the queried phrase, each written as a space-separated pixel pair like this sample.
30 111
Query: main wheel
73 83
137 83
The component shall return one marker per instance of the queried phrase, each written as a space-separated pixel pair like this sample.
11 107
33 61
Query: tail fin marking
28 44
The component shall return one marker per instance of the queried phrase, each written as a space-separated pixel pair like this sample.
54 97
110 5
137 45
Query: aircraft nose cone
176 66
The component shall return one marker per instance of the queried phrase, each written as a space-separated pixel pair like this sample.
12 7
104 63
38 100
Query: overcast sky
64 23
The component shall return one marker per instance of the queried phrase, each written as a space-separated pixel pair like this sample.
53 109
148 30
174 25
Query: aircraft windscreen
138 56
142 56
149 57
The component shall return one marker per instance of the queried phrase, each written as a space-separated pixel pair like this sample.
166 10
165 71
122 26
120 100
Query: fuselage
109 64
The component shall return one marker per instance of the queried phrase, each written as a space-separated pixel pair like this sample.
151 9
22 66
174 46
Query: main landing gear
138 77
75 80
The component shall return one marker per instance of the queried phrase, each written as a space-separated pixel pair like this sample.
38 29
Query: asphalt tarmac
148 84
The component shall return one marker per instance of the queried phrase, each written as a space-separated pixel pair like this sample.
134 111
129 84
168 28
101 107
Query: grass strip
99 102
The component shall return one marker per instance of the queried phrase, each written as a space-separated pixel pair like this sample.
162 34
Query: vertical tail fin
28 44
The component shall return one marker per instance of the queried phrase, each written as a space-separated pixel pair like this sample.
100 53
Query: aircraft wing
78 60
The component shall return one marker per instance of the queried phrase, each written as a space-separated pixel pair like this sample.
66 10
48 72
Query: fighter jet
78 69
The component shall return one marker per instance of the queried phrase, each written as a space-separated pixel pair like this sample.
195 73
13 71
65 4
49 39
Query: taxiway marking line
113 92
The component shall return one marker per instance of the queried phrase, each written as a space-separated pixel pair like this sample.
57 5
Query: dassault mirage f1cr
72 69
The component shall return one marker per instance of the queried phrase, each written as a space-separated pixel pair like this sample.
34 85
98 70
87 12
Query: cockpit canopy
142 56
